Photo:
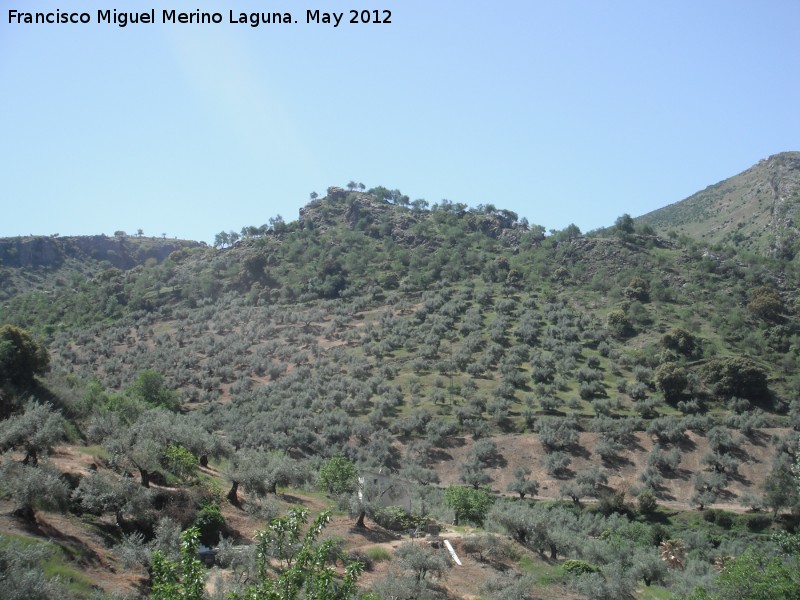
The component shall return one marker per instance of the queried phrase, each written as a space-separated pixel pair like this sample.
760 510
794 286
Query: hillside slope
755 210
29 263
450 348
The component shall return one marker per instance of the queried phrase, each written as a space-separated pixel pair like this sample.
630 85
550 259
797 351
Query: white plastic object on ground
449 546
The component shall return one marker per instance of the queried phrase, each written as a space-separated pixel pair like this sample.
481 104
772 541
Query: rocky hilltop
390 215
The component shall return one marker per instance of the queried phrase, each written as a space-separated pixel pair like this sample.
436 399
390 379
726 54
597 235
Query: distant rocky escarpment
121 252
43 262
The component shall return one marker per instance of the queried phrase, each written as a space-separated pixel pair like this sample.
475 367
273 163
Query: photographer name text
198 17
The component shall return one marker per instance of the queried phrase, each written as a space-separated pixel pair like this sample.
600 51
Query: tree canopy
21 357
468 503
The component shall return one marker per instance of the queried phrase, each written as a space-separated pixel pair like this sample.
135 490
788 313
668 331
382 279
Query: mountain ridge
756 209
450 348
26 262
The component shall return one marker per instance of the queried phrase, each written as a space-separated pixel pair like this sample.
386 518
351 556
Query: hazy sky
561 111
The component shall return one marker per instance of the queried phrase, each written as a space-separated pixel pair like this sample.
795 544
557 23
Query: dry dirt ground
755 455
90 546
462 581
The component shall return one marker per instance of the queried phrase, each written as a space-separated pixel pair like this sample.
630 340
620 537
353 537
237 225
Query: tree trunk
233 496
26 513
360 522
31 458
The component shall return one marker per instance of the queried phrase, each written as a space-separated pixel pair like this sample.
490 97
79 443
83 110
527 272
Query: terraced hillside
618 382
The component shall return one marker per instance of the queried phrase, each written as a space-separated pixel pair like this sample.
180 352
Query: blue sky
561 111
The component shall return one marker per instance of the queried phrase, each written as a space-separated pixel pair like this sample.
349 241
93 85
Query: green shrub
637 289
619 325
180 461
210 522
378 554
672 380
468 504
357 556
736 376
21 357
765 303
757 523
579 567
646 503
724 520
338 475
679 340
394 518
151 389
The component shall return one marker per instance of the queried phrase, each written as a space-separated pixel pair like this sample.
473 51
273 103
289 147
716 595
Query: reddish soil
755 454
90 545
462 581
91 551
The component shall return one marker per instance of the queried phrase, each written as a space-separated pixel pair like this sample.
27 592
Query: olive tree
22 571
100 492
537 527
32 488
259 471
422 561
521 484
143 446
35 431
780 486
